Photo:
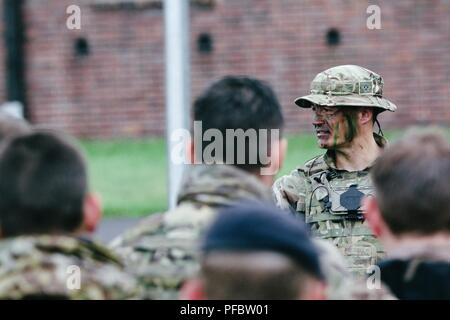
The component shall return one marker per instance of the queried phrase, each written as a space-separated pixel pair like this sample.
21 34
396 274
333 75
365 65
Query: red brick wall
118 89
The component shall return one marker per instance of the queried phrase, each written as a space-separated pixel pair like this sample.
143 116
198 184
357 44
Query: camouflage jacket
341 285
162 250
61 267
328 199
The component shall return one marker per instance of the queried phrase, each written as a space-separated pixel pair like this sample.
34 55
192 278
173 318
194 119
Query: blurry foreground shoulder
65 267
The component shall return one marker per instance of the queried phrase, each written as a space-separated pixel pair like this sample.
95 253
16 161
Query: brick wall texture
117 89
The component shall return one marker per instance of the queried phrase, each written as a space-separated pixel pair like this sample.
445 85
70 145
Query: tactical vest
332 207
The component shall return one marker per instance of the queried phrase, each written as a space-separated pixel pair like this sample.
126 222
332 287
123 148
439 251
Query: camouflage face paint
335 134
352 126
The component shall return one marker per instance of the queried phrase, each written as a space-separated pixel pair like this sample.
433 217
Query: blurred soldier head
257 252
43 187
234 105
412 184
345 101
10 126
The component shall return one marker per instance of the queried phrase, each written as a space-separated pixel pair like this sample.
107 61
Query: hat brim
345 100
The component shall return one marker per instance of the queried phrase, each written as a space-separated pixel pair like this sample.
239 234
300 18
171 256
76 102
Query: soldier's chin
324 142
325 146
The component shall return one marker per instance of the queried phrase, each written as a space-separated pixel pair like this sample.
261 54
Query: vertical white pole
177 59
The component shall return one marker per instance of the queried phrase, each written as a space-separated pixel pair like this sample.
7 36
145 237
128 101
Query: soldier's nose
317 121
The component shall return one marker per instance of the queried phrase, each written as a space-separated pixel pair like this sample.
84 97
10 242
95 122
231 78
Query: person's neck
266 180
359 154
400 245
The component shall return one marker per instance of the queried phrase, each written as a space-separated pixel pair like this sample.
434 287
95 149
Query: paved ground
111 227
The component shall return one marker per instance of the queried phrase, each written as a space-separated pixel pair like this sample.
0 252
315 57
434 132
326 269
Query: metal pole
14 62
176 18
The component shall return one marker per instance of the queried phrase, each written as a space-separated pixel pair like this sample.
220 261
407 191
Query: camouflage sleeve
289 192
146 226
341 284
333 266
161 251
108 282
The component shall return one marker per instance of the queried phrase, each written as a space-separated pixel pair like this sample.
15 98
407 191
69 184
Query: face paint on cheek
352 127
335 134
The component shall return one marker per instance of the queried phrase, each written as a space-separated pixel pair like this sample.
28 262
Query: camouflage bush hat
347 85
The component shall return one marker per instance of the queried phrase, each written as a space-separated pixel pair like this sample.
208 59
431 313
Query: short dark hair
256 275
412 182
42 185
239 102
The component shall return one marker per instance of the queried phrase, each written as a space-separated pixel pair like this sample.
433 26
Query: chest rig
335 195
332 207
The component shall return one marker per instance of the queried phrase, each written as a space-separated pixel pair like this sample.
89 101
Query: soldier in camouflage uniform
163 249
44 212
326 191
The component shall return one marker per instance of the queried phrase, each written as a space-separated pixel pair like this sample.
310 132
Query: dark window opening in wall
205 43
333 37
81 47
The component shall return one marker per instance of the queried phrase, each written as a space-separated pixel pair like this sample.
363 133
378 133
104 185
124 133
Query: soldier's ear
192 289
277 155
366 115
373 216
92 212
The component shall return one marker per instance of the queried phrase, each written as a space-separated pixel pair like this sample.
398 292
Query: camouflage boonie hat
347 85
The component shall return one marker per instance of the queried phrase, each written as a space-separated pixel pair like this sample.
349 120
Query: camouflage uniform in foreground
163 249
341 285
328 199
38 267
